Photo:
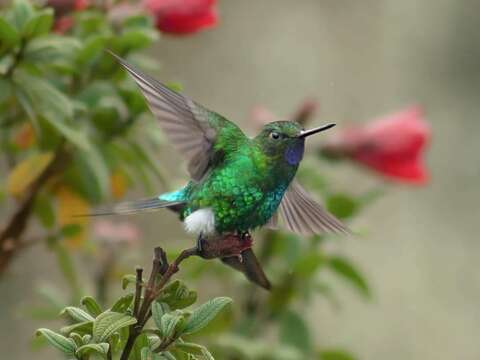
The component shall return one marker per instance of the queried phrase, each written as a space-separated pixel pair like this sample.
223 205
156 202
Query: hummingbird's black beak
306 133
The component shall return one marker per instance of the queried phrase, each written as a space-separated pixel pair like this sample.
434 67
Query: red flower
183 17
63 20
392 145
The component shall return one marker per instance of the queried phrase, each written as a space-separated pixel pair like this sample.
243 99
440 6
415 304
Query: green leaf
9 36
107 323
205 313
44 210
294 332
342 206
194 349
343 267
77 338
129 279
39 24
70 230
52 49
91 305
92 48
122 304
335 354
87 349
83 327
158 310
22 13
170 322
148 354
77 314
308 264
177 296
140 343
62 343
94 172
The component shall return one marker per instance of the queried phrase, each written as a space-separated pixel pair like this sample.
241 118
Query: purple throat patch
294 153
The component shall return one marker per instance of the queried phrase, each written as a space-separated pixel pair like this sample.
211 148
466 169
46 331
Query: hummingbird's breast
243 192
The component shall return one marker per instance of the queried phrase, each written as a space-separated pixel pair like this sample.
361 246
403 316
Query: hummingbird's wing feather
193 129
136 206
301 214
250 266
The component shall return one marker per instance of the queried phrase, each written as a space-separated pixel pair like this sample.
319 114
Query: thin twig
138 290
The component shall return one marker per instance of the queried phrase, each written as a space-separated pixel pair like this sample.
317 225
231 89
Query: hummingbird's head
286 140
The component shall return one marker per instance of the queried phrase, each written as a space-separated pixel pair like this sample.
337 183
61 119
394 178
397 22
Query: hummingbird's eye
275 135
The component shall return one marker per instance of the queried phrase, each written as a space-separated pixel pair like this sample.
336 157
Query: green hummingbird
237 183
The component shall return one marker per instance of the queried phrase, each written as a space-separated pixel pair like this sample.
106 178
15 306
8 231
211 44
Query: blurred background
417 245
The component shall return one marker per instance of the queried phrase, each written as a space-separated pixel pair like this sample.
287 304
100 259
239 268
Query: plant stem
153 289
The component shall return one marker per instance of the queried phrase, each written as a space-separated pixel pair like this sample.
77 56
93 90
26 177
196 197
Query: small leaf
122 304
22 12
107 323
43 209
77 338
39 24
148 354
194 349
308 264
91 305
71 230
177 295
347 270
169 323
129 279
62 343
205 313
87 349
8 34
158 310
77 314
335 354
140 343
83 327
26 172
294 332
342 206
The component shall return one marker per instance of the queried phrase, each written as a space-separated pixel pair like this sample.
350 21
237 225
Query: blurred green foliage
63 97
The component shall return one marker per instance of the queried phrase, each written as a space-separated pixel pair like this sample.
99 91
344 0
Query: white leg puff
200 221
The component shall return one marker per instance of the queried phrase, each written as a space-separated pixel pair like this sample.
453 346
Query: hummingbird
237 183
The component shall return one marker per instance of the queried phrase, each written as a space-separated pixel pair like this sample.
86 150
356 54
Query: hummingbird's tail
137 206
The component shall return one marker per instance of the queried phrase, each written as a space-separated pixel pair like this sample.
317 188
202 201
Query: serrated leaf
87 349
158 310
205 313
62 343
91 305
169 323
194 349
77 314
107 323
122 304
26 172
294 332
348 271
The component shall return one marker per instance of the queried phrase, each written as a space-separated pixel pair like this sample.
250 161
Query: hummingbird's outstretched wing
302 215
199 134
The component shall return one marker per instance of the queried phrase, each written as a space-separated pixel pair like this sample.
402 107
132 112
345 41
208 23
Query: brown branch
152 289
10 235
